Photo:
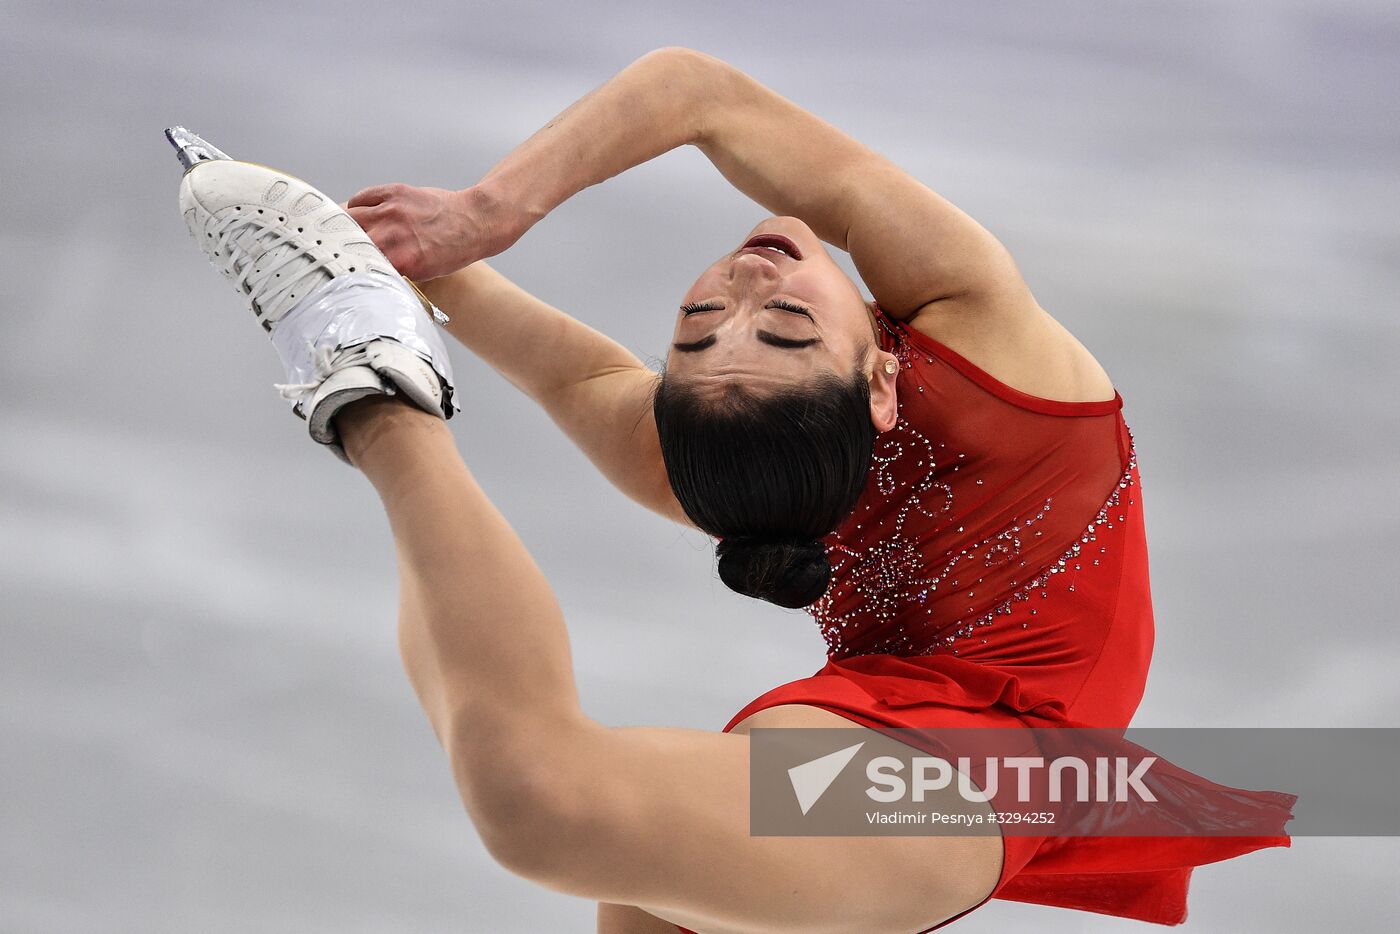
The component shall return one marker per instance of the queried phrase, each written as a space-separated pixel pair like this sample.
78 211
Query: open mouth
775 243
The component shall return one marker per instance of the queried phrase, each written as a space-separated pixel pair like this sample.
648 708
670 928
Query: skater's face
772 317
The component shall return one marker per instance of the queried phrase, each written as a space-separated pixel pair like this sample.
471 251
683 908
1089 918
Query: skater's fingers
407 260
391 238
386 235
364 216
366 197
377 194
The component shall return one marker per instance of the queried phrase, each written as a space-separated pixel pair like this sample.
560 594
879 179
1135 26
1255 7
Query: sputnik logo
810 780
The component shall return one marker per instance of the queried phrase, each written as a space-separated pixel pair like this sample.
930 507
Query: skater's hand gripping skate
431 232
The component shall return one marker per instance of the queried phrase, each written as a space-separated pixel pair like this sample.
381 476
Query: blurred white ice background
203 723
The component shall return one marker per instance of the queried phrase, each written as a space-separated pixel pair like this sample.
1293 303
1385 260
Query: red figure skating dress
994 573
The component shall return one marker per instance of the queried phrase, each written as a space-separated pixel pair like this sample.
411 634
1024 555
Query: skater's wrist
496 218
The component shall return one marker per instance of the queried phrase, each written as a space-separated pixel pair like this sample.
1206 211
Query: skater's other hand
427 232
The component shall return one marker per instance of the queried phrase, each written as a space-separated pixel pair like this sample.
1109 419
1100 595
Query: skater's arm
924 260
593 388
911 246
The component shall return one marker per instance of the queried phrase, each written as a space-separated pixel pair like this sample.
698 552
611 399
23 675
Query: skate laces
327 361
266 286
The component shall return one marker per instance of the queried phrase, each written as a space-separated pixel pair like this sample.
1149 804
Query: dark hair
769 474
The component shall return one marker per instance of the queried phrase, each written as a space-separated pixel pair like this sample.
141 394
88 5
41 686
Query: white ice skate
344 322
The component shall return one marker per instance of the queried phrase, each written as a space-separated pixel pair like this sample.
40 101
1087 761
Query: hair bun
789 572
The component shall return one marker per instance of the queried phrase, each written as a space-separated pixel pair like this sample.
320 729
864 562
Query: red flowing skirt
1140 877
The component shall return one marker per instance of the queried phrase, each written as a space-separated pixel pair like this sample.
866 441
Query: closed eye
779 303
789 306
766 337
786 342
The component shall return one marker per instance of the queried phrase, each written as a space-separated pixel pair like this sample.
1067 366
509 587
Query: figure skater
942 476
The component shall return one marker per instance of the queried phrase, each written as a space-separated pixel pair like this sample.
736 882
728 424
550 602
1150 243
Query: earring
891 367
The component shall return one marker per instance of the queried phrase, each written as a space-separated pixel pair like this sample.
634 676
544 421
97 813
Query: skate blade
192 149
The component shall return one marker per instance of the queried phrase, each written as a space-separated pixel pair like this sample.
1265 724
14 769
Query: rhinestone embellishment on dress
899 594
1062 564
